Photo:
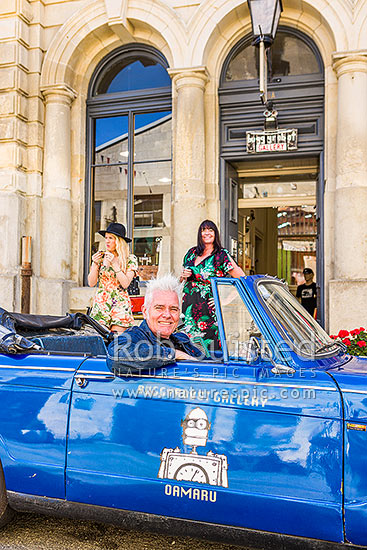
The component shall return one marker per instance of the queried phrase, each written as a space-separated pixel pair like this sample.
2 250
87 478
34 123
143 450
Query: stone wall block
348 304
56 241
7 78
35 133
8 7
7 292
22 106
22 81
34 158
34 185
351 244
35 109
8 28
11 212
23 32
8 154
8 53
7 129
25 9
53 296
35 58
81 298
22 59
7 103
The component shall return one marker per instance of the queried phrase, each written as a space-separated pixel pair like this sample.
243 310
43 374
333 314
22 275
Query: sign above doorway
272 141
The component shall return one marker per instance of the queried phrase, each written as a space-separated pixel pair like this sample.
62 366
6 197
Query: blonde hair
123 251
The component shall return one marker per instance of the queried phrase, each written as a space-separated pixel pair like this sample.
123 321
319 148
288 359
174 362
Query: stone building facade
52 53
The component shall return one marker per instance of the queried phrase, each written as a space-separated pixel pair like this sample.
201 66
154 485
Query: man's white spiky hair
166 283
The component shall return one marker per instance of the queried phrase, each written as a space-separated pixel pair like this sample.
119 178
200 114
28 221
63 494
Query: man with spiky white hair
154 343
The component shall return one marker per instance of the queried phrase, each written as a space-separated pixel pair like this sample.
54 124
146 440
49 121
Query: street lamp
265 15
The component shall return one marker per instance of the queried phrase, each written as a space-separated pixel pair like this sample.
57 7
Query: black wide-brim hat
116 229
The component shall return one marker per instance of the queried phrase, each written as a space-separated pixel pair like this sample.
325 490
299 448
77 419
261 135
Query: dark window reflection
133 73
148 210
288 56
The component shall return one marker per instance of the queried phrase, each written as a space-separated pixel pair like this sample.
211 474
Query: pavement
35 532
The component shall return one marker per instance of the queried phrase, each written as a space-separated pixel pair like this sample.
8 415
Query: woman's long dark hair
217 245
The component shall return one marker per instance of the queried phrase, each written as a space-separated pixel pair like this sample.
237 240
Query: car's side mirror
249 351
282 369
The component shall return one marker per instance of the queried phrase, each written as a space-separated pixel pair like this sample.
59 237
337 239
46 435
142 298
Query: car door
223 442
289 470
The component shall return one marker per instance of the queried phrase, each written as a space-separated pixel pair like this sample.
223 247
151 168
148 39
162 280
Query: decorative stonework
195 76
59 93
349 62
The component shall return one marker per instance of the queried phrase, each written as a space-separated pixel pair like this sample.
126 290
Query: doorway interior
273 217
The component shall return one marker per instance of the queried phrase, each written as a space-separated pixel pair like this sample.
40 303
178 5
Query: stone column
348 290
56 219
189 208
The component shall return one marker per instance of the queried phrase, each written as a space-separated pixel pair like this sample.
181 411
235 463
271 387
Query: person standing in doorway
307 292
205 260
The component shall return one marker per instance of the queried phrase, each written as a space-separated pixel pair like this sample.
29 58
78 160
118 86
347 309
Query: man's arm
134 351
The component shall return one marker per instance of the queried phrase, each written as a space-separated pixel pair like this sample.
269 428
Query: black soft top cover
16 328
24 322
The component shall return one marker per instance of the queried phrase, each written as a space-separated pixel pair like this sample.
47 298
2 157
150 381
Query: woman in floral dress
114 271
206 259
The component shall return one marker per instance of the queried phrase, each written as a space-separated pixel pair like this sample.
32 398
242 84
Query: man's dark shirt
139 348
308 295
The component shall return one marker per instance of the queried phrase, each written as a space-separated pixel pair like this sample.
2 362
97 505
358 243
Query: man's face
163 314
308 277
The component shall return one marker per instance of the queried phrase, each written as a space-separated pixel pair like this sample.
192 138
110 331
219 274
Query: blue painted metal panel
270 457
35 396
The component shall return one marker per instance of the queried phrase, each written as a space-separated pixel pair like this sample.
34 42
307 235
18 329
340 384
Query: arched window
129 153
290 55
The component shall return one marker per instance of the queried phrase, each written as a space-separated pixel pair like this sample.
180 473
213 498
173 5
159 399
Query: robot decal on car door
210 468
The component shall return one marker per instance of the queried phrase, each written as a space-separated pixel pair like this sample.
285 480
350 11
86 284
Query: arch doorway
272 207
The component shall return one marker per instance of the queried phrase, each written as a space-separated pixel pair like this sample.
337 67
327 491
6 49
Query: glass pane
291 56
133 73
153 136
110 199
111 140
244 66
241 331
260 188
152 218
288 56
299 327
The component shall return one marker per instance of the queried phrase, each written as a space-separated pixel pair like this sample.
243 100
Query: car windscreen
301 330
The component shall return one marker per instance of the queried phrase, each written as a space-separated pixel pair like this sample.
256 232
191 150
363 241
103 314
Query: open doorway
273 228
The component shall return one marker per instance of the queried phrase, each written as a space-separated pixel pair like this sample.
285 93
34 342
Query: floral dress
111 304
199 316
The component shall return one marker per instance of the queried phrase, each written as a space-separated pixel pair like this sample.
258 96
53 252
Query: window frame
253 83
129 104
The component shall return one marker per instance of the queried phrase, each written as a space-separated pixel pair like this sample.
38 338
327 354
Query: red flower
333 336
347 342
355 332
343 333
202 325
361 329
362 344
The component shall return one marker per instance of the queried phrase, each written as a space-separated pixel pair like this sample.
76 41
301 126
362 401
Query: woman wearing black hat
114 271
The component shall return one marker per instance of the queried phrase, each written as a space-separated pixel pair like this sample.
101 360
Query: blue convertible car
268 439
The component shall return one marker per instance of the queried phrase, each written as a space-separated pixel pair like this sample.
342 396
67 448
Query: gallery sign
272 140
